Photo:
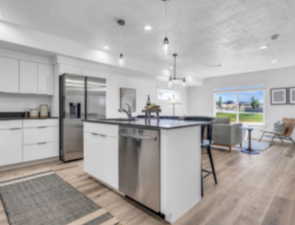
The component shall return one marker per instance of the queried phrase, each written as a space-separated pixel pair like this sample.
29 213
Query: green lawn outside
244 117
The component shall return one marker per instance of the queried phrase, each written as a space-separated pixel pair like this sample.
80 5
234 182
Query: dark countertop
19 116
153 123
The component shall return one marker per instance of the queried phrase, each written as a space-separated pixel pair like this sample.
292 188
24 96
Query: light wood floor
252 190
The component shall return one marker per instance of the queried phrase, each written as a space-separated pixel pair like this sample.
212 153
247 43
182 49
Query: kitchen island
155 162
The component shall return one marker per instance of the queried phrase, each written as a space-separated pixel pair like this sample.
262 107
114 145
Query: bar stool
206 144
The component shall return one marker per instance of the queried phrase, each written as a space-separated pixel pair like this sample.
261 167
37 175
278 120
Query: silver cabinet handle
42 143
15 128
97 134
139 137
41 127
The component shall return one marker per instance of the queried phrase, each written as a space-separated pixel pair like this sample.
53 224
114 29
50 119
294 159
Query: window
168 95
241 106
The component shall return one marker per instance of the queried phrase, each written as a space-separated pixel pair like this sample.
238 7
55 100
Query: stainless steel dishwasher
139 165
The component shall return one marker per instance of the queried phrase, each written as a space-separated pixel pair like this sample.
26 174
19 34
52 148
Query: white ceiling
212 37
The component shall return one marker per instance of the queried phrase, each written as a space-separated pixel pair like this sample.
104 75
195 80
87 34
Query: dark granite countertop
20 116
153 123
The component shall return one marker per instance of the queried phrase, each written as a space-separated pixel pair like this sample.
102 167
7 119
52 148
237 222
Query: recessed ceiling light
106 47
274 61
148 27
263 47
274 36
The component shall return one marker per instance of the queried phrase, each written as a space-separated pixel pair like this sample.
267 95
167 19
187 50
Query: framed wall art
278 96
128 97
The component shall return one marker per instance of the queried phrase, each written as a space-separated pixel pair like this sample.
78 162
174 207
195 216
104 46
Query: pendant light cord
121 24
120 39
174 70
166 17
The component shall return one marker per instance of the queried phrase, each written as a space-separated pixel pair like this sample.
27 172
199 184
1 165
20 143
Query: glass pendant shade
166 45
121 59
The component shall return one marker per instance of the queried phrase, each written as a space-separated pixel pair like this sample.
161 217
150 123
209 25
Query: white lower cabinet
11 142
40 150
101 153
111 161
40 139
35 135
28 140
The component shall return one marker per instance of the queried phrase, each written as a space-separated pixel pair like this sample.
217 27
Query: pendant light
173 79
165 40
121 59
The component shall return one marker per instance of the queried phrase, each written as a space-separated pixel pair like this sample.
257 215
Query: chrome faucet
128 111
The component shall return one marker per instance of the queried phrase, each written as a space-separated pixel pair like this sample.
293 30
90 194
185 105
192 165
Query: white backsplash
22 102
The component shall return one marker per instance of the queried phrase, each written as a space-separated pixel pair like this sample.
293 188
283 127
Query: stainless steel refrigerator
81 98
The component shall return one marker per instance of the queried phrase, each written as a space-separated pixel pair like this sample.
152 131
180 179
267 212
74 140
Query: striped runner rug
46 199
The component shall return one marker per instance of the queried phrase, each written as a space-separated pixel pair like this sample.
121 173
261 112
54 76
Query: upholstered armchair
226 134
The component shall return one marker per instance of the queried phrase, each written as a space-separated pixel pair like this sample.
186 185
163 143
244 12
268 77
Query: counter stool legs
213 172
209 152
207 144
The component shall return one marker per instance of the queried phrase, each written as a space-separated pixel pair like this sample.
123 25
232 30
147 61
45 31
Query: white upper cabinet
36 78
45 79
28 77
9 75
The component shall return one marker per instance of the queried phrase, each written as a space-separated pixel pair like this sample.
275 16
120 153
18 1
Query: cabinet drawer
10 124
41 123
40 151
40 134
104 129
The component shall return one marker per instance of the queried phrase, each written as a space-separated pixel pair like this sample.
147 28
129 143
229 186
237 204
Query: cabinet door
28 77
93 156
45 79
111 162
9 77
10 146
101 158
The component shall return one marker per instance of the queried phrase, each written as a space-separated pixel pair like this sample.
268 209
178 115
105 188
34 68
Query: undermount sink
121 119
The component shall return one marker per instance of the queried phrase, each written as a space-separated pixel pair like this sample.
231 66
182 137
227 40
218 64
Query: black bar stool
206 144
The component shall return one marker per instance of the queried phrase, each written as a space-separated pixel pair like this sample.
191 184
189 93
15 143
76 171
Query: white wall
22 102
200 99
116 78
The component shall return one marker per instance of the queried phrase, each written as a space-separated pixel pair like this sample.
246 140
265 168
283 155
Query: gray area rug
46 199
